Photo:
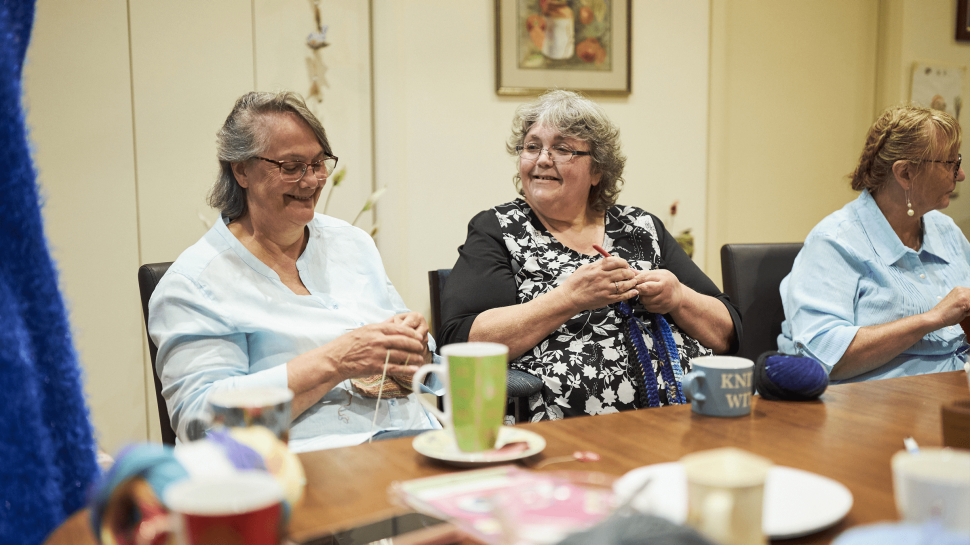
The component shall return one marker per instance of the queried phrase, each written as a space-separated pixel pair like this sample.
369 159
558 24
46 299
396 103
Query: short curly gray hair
243 137
576 116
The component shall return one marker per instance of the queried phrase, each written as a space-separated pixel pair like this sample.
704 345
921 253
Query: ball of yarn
127 495
782 377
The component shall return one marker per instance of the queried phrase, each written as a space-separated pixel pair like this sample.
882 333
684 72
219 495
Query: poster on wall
582 45
938 86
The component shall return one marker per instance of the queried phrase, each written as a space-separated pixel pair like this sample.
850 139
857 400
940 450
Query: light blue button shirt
222 319
854 271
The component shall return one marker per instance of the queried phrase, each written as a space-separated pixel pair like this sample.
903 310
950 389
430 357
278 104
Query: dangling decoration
318 39
315 67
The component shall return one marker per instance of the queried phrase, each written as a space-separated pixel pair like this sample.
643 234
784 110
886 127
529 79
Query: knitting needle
600 249
380 391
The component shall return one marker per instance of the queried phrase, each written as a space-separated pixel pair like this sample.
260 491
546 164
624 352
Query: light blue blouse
854 271
222 319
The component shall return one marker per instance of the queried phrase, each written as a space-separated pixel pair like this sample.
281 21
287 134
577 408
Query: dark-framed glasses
558 153
293 171
957 162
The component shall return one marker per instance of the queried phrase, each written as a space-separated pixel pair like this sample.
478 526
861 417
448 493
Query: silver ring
617 288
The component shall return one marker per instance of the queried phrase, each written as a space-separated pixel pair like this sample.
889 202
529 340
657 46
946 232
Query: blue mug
720 385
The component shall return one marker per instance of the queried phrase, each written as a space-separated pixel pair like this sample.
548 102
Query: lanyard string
666 347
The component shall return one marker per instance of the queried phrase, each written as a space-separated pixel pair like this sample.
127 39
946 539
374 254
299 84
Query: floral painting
564 34
581 45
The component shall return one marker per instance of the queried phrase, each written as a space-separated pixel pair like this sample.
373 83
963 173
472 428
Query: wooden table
849 435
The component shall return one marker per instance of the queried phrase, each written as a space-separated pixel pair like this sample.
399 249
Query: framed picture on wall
581 45
963 20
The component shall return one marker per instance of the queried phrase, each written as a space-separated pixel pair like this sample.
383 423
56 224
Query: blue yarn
643 358
796 374
46 441
663 342
792 378
663 339
153 462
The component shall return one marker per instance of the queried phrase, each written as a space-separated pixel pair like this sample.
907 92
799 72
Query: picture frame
963 21
579 45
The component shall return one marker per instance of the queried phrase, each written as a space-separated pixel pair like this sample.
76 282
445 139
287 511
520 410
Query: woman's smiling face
553 188
271 201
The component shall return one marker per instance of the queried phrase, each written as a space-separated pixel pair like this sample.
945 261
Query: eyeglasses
559 154
956 171
293 171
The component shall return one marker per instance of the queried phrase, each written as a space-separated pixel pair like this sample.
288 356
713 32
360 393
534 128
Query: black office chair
751 274
519 385
148 277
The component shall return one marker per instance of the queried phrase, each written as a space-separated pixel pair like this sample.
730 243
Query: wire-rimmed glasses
293 171
558 153
957 162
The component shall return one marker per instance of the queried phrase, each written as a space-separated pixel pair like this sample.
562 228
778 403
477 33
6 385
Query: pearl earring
909 205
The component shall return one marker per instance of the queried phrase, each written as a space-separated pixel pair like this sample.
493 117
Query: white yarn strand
379 392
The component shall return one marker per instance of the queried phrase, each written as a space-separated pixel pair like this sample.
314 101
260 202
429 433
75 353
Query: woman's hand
954 308
875 345
361 352
416 321
660 291
358 353
598 284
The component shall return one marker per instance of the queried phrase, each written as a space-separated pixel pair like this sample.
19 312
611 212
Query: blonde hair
908 133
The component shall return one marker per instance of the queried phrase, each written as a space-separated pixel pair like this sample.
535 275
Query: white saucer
440 445
796 502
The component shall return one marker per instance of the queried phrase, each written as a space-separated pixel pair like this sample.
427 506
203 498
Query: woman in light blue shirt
277 295
881 286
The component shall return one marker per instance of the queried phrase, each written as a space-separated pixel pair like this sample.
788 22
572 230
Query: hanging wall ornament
318 39
315 67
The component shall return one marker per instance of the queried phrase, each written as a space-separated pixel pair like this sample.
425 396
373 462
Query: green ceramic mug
474 380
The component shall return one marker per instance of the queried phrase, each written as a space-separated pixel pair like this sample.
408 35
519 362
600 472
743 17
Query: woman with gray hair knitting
881 285
275 294
604 334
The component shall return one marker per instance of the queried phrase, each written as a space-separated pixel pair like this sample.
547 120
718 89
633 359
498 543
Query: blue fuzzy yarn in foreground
47 451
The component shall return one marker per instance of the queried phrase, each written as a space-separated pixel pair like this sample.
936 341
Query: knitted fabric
46 441
667 354
371 386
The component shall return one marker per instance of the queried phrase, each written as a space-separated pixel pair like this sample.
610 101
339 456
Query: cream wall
441 129
792 91
749 112
124 102
80 115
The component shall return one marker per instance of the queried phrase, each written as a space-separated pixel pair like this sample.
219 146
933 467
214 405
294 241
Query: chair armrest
521 384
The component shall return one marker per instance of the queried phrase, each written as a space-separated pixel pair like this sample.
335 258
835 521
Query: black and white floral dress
585 365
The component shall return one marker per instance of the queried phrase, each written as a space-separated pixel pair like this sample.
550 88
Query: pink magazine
482 502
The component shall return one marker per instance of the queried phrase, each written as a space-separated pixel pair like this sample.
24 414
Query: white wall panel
190 61
78 95
792 91
441 129
344 107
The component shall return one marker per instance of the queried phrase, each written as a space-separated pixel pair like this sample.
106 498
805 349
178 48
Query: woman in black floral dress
596 330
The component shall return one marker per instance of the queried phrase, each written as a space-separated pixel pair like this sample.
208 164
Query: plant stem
326 204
